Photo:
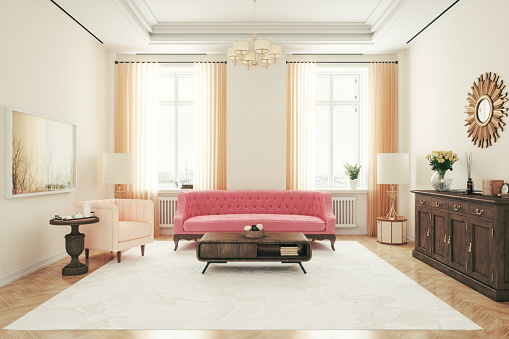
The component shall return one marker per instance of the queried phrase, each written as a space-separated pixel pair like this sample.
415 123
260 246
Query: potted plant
352 171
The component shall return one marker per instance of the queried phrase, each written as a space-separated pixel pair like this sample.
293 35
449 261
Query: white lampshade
248 58
118 168
392 168
276 50
231 54
241 47
261 46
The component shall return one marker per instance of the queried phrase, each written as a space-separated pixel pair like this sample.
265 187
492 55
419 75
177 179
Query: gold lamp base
119 192
393 215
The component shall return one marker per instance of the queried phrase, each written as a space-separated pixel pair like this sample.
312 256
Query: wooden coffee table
222 247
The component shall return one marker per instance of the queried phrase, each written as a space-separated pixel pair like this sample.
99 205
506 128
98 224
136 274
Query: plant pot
441 181
353 184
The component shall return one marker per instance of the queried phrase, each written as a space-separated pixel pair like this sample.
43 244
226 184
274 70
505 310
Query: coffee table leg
206 266
295 262
303 270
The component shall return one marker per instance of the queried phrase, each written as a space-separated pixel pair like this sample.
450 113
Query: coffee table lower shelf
224 247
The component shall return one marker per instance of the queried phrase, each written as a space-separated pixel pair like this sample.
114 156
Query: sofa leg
87 253
332 241
119 255
176 241
142 250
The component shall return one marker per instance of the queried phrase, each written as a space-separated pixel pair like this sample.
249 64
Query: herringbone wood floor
27 293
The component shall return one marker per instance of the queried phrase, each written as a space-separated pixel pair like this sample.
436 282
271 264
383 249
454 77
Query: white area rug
351 288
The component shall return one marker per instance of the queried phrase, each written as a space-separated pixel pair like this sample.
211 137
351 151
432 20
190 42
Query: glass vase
441 181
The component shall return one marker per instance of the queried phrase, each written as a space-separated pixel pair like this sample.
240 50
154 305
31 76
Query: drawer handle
437 204
422 201
445 238
479 212
427 233
457 207
470 247
449 240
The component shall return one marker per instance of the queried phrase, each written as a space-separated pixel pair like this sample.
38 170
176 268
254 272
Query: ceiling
211 26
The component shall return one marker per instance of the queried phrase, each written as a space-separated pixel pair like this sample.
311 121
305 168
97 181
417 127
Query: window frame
176 71
361 74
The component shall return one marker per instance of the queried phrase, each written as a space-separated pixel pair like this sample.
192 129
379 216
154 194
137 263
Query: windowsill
344 190
173 190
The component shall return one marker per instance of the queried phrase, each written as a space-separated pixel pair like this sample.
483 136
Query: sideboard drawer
459 206
422 200
440 203
482 210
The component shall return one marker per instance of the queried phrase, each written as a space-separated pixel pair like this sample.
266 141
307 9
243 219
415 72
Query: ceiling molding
281 32
384 14
139 14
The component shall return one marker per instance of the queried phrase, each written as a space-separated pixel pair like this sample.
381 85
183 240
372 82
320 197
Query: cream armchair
124 223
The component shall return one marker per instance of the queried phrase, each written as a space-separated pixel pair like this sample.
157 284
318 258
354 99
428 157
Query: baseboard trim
20 272
166 231
356 230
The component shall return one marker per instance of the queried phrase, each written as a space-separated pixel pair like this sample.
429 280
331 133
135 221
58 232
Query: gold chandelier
263 53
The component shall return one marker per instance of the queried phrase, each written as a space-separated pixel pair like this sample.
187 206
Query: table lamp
118 169
392 169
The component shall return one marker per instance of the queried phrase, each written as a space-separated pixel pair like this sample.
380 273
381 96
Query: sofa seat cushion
236 223
129 230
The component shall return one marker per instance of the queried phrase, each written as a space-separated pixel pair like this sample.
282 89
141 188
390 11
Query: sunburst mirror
485 110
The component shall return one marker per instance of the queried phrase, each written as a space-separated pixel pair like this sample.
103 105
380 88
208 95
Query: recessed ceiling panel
266 10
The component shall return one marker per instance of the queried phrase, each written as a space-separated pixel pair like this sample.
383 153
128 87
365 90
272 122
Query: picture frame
40 154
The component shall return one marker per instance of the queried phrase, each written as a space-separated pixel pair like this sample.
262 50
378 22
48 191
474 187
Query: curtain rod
347 62
166 62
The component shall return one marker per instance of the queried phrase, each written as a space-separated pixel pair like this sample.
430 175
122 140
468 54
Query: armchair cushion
130 230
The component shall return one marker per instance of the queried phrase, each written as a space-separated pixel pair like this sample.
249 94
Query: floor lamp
118 169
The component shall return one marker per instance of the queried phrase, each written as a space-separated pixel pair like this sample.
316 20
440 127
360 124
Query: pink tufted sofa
199 212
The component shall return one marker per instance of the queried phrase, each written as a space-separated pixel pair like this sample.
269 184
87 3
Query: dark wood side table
74 243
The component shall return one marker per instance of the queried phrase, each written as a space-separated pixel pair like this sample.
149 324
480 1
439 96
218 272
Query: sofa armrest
328 214
180 213
104 234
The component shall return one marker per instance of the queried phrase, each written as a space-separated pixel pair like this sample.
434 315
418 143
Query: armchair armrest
104 234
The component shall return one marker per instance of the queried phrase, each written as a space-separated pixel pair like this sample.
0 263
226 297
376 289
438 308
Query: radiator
167 209
344 210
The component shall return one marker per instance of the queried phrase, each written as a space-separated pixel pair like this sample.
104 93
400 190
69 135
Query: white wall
256 125
443 64
49 65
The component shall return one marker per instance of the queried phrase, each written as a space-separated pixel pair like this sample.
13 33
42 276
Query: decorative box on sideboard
465 236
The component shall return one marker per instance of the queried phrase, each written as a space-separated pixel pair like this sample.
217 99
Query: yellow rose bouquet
440 162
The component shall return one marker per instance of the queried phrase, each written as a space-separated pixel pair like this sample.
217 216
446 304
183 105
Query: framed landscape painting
40 154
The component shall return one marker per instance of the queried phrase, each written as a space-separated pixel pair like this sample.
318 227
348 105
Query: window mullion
176 134
331 136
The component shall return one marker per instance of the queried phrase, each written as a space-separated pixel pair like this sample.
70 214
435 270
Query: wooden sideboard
465 236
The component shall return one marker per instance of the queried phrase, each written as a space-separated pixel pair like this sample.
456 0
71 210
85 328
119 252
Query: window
176 126
340 133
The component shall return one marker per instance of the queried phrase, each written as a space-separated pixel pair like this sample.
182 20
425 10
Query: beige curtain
383 96
210 126
300 108
136 111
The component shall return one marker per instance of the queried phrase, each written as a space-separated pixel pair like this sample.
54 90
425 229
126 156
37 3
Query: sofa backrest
254 202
